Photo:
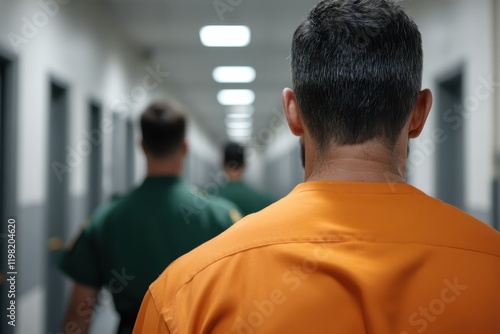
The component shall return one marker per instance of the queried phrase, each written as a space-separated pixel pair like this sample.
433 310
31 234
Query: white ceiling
170 30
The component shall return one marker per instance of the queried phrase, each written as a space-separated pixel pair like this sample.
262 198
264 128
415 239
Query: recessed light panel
238 124
240 111
234 74
236 97
225 36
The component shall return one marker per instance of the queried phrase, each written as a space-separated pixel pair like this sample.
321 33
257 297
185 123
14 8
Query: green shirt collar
162 180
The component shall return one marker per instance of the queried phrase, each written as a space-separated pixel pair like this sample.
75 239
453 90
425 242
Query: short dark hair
234 155
163 126
357 71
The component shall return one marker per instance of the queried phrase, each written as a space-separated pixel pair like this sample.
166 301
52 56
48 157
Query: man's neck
163 168
234 175
358 163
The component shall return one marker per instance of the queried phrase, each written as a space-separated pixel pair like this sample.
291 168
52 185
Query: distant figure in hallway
354 249
129 241
245 197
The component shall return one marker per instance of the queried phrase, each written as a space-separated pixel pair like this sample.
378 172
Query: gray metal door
496 204
3 227
119 155
8 205
450 154
130 154
95 138
57 202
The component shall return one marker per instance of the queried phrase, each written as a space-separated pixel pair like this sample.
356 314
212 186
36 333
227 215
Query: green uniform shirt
131 240
245 197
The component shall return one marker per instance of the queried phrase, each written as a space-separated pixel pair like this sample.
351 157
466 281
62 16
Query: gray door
95 138
130 154
3 230
57 202
8 127
450 154
496 204
120 183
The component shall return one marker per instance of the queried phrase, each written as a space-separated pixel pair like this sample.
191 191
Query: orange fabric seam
222 257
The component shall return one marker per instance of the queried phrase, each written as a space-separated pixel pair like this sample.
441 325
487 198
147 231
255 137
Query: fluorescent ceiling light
234 74
237 117
240 111
225 36
238 125
238 138
233 97
239 132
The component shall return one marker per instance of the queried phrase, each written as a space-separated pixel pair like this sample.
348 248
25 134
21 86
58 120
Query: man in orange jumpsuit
354 249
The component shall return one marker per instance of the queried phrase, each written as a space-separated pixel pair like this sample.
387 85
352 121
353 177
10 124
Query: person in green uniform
130 240
248 199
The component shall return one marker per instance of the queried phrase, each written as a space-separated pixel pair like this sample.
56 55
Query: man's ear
420 113
292 112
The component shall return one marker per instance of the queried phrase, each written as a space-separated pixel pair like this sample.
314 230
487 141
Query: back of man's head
234 156
163 126
357 71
